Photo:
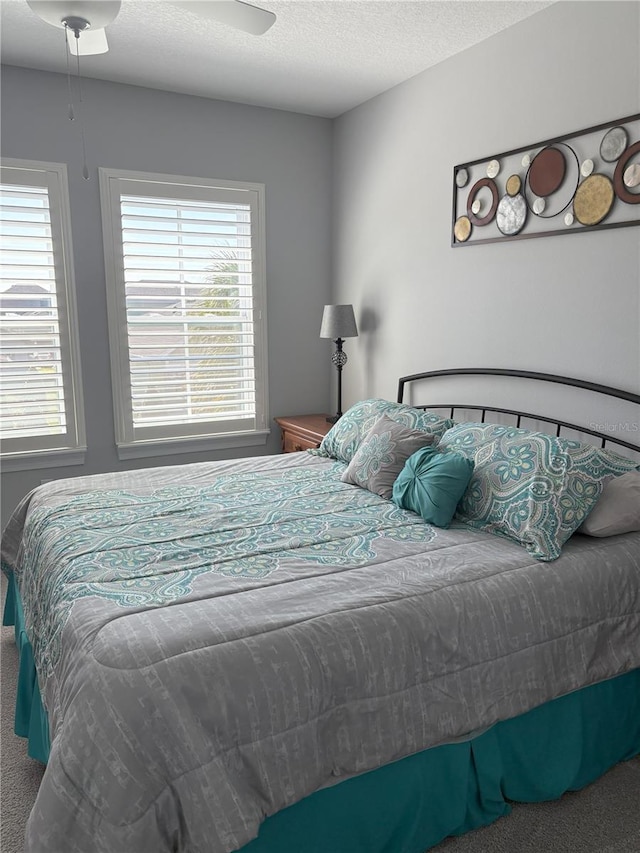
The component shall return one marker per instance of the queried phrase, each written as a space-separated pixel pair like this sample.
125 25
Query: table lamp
338 322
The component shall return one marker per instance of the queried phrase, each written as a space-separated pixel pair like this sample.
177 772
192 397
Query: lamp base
333 420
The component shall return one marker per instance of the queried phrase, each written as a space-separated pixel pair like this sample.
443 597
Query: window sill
176 446
43 459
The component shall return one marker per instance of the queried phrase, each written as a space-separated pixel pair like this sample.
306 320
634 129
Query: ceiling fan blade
90 42
235 13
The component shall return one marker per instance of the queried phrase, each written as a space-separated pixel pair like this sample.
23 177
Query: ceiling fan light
99 13
91 42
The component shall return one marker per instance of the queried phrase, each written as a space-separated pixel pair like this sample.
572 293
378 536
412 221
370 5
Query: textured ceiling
321 57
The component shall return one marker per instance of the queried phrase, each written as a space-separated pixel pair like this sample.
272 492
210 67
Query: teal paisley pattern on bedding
529 486
146 550
345 437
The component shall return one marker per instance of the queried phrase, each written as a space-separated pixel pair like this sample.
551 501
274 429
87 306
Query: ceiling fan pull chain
72 115
77 35
85 169
66 44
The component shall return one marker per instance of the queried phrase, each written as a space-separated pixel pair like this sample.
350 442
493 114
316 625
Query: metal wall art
583 181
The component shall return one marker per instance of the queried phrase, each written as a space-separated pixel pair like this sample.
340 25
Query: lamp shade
338 321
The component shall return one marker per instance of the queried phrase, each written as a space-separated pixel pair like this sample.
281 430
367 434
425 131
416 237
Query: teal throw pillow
531 487
432 483
346 435
382 454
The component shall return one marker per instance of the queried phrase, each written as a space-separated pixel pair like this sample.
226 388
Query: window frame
113 184
68 448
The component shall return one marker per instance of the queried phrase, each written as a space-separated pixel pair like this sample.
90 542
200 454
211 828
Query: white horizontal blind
37 373
186 301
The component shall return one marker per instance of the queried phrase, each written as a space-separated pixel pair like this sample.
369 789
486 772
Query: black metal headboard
527 374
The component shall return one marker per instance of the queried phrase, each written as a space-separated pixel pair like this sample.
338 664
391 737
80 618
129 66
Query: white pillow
617 510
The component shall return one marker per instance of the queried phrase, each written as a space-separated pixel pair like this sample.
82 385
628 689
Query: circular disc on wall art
631 177
514 185
462 229
621 168
586 168
526 160
476 207
593 199
462 177
538 206
568 219
493 168
512 214
475 189
547 171
613 144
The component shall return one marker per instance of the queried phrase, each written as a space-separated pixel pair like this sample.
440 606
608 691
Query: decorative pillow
618 508
432 483
382 454
529 486
345 436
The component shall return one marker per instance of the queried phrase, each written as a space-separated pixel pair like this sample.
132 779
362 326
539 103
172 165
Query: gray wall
563 304
133 128
566 304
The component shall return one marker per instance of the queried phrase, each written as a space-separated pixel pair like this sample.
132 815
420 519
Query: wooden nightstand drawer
292 443
302 432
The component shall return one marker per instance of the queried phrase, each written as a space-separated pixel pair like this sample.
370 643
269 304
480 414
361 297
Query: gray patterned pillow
382 454
344 438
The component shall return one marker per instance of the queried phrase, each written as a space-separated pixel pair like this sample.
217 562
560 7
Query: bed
256 655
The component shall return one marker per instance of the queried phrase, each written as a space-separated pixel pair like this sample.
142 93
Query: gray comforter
216 641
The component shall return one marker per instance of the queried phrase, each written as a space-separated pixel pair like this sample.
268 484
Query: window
187 326
41 417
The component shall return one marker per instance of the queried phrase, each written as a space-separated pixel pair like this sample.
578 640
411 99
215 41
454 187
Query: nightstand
302 432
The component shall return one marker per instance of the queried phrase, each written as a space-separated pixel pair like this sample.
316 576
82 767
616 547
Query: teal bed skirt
414 803
30 718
